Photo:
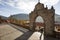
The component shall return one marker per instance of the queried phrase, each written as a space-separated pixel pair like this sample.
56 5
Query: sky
11 7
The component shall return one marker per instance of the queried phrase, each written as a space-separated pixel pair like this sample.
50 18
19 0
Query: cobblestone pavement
25 36
36 36
13 32
8 33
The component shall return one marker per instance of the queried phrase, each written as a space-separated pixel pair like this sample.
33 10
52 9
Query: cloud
28 5
9 2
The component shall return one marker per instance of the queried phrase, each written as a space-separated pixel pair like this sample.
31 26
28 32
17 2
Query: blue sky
11 7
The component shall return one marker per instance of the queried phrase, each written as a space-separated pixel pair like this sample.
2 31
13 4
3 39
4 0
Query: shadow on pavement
18 28
25 36
51 38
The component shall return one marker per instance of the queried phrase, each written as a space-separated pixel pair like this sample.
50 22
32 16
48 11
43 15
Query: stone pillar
49 26
32 25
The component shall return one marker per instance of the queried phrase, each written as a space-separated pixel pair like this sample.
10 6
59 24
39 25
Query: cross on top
38 0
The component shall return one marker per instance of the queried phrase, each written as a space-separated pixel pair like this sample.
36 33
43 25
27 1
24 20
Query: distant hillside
57 18
3 17
21 16
26 17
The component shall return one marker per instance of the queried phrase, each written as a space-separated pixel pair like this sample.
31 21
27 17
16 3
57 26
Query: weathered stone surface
46 14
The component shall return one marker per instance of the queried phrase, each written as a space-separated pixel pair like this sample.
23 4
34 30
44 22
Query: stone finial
38 1
52 8
46 7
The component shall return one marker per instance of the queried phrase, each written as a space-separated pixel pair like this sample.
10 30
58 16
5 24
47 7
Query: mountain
22 16
57 18
3 17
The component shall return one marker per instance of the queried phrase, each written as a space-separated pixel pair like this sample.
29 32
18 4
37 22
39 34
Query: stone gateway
46 14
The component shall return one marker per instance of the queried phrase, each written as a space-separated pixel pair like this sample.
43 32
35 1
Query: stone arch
46 14
39 21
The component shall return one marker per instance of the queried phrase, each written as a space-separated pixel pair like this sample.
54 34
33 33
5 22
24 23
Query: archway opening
39 23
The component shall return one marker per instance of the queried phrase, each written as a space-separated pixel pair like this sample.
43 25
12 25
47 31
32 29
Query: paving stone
36 36
9 33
